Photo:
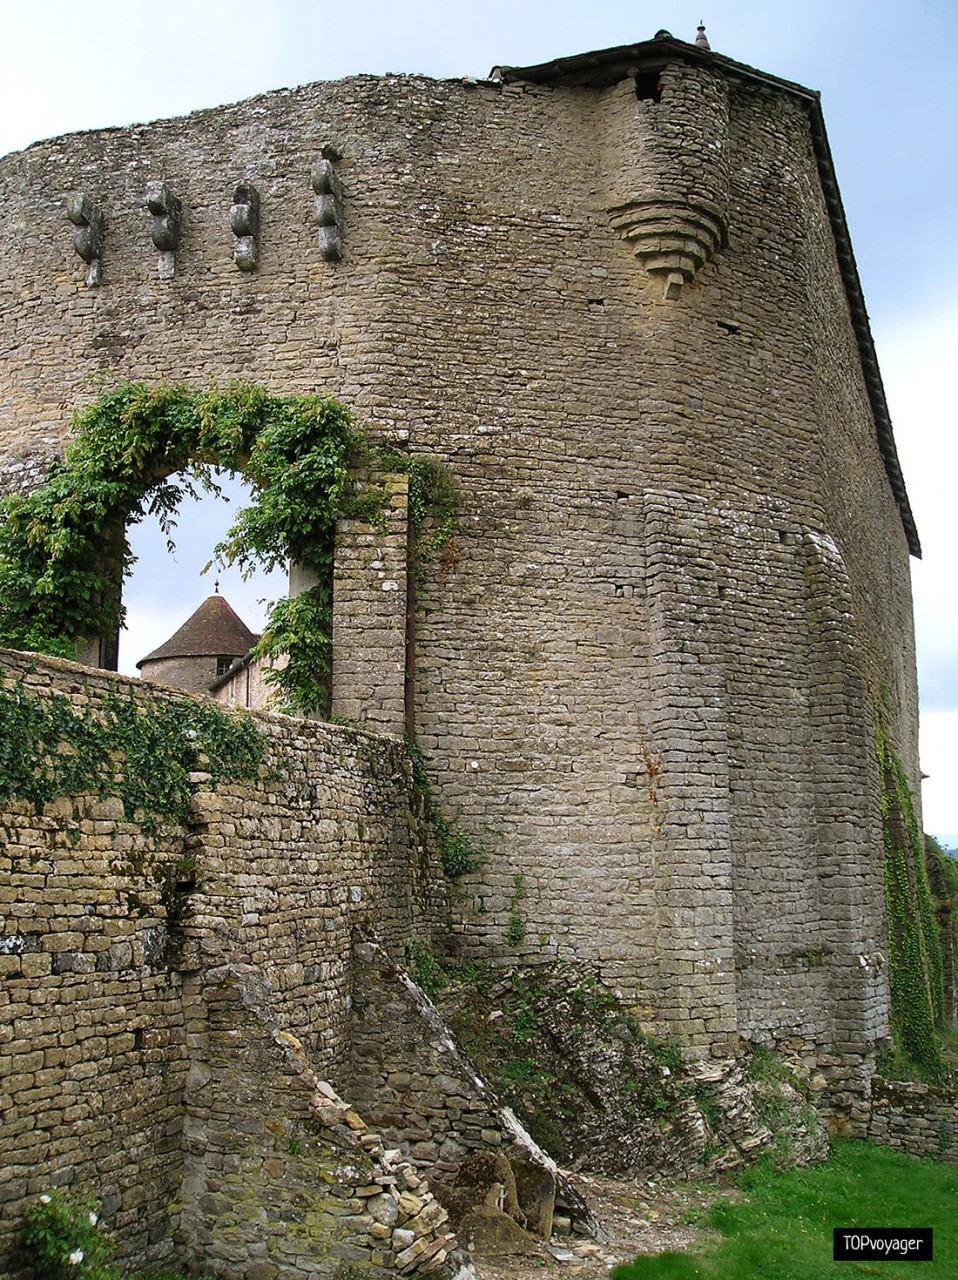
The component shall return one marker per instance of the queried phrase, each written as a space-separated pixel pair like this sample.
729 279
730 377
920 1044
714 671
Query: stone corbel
165 232
329 205
672 238
244 222
87 218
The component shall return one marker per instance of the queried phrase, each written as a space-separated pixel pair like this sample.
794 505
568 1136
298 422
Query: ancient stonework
148 962
616 295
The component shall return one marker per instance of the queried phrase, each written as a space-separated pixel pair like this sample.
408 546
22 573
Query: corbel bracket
87 218
329 205
244 222
165 232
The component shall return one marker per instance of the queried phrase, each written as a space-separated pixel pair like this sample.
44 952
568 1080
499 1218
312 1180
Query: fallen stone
489 1233
536 1194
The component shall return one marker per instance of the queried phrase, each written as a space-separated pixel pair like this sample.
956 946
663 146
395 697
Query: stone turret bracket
244 222
87 218
165 231
673 238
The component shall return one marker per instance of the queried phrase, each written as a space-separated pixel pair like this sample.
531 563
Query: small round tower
206 646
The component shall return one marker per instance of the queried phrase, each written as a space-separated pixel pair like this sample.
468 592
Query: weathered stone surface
536 1194
919 1119
489 1179
94 960
642 672
487 1232
681 571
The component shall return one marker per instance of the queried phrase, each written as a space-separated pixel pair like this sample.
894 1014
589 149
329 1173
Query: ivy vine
433 507
914 945
142 754
459 853
64 551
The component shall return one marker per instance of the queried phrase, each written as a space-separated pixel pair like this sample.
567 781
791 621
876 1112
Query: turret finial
701 38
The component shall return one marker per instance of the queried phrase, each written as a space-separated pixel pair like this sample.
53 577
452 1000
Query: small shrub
424 968
64 1238
516 929
458 852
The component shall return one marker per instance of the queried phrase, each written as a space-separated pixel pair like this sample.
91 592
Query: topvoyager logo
882 1244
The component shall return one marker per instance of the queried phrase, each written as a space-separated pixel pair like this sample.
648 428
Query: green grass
784 1227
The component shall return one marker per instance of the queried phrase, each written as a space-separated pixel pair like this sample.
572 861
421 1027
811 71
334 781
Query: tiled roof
214 630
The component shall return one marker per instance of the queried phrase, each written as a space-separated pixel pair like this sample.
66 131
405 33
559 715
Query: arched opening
63 548
171 579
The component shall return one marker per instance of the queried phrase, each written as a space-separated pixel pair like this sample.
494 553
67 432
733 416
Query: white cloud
917 358
939 760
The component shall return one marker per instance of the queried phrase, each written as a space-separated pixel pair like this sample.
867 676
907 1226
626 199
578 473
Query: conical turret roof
214 630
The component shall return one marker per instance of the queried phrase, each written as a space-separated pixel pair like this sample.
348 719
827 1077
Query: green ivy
459 853
516 928
914 946
433 506
64 551
424 969
143 755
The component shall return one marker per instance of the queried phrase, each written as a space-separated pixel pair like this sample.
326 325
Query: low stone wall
920 1119
283 1178
407 1074
110 922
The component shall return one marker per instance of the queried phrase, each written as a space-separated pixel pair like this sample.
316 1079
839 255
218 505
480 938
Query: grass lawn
783 1229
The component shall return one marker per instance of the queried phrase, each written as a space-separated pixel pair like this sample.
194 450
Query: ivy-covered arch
64 553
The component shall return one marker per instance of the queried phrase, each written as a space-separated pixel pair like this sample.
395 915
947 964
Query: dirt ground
636 1217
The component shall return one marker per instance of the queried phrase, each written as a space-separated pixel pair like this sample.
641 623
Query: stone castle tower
616 293
204 648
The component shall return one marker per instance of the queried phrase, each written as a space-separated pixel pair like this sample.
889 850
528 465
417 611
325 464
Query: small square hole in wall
648 86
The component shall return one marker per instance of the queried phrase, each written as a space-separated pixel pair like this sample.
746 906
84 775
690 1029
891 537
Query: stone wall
107 927
283 1178
646 683
919 1119
413 1081
408 1075
369 616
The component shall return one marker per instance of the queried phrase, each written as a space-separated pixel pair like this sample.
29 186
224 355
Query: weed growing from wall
459 853
143 755
516 928
914 947
433 507
424 968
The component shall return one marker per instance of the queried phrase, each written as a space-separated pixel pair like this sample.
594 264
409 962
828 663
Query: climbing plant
143 755
459 853
63 548
914 946
433 507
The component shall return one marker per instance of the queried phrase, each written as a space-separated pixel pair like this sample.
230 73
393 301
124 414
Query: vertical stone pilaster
369 615
688 769
848 835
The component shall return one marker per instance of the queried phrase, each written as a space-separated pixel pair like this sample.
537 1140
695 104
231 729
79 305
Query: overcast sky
886 74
